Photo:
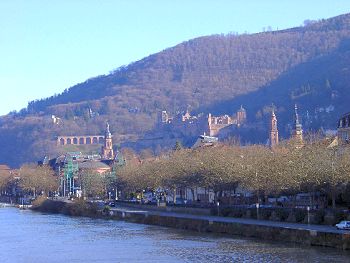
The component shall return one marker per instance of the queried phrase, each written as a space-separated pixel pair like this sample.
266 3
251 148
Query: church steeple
107 132
273 129
297 133
107 148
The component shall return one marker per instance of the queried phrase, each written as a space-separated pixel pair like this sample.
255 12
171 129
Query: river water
27 236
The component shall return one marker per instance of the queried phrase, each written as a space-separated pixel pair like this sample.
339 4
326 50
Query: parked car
343 225
134 200
151 200
111 204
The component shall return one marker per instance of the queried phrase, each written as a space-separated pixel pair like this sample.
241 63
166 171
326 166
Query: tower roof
107 132
273 121
273 115
297 124
241 109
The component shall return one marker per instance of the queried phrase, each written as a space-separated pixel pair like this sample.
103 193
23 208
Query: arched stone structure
80 140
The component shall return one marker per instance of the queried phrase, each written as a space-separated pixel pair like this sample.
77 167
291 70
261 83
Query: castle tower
186 116
273 130
241 116
212 127
163 117
107 148
297 133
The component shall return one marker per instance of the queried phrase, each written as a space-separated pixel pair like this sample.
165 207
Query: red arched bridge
80 140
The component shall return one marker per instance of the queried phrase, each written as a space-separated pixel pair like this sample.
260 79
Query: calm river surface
27 236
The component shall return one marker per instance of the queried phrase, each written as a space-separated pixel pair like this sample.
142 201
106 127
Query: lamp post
257 211
218 206
308 214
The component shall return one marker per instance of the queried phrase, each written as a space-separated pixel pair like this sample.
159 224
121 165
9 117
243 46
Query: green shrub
282 214
224 211
318 216
300 215
239 212
265 214
340 215
253 213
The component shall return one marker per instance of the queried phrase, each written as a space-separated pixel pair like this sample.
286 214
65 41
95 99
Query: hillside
306 65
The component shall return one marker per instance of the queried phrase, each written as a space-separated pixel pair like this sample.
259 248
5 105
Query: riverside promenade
6 205
318 235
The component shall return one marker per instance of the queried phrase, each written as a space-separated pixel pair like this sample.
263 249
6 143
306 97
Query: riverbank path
287 225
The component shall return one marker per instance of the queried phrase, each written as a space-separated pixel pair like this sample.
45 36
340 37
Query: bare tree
37 179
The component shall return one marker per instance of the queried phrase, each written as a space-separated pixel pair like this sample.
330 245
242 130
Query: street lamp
116 194
257 211
218 206
308 214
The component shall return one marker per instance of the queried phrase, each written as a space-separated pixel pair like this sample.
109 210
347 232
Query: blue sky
48 46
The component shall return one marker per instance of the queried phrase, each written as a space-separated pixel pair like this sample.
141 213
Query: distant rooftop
204 140
93 165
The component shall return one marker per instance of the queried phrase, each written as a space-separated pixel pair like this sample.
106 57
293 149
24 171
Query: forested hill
213 73
209 68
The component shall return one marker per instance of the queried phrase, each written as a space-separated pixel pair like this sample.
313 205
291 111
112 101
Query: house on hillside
204 141
344 129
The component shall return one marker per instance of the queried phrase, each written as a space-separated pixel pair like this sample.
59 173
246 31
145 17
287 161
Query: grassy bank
76 208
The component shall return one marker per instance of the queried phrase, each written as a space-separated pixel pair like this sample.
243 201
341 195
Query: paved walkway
319 228
6 205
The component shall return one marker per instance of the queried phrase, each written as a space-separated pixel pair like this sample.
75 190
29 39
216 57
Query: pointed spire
273 129
296 116
108 133
107 148
297 133
273 110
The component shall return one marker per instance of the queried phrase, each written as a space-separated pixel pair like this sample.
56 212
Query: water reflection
33 237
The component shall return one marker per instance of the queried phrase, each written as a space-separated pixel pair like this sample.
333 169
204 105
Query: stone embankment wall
175 209
300 236
306 237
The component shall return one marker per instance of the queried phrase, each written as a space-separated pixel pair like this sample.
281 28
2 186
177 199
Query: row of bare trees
95 184
42 180
258 169
32 179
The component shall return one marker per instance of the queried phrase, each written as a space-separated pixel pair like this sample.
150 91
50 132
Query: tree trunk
333 197
266 198
294 201
192 192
